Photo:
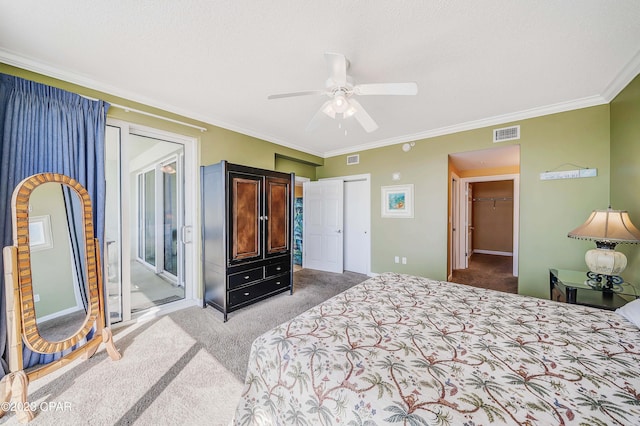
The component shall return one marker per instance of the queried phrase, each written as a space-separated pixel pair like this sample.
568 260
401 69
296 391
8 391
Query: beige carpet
488 271
187 367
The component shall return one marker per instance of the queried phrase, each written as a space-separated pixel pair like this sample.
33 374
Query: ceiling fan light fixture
340 103
350 112
342 91
329 110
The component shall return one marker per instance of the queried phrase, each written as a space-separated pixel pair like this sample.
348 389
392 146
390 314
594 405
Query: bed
400 349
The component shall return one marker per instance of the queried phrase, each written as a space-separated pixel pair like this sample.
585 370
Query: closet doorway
150 211
484 212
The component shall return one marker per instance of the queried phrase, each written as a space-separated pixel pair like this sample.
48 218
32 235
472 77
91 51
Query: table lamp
607 228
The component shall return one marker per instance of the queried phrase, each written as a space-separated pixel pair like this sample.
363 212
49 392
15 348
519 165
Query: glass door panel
170 216
148 215
156 274
111 248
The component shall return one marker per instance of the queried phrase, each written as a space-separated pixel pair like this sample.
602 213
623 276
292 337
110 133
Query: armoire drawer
277 269
257 290
245 277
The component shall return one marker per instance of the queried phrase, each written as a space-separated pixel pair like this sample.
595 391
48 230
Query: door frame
463 212
367 178
299 182
193 295
454 253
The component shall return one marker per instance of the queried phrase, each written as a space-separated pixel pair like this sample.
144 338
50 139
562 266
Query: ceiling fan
341 90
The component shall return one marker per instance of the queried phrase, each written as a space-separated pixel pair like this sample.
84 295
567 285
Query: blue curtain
44 129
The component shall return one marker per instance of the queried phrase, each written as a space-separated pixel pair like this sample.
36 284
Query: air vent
353 159
506 134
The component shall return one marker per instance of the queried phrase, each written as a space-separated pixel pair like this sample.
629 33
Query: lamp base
605 260
606 283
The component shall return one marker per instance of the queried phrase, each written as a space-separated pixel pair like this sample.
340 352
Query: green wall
548 209
301 169
625 166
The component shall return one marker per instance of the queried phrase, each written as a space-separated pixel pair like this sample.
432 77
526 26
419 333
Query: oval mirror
58 273
56 261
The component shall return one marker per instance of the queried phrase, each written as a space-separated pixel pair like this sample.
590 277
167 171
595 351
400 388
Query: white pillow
631 311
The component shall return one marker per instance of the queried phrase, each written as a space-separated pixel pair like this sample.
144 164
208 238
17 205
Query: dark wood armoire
247 219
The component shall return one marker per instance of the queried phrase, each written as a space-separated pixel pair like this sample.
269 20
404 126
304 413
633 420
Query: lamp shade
608 226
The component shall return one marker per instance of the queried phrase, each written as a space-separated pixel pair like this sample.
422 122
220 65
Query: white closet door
323 225
356 226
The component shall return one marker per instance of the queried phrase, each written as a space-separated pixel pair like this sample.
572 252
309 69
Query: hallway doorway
484 217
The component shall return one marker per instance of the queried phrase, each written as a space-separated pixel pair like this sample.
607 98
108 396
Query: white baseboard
59 314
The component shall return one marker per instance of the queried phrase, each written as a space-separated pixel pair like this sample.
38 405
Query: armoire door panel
278 205
245 199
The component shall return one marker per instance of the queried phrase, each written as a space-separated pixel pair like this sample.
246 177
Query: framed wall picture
397 201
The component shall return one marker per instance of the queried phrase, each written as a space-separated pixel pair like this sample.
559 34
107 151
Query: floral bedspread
398 349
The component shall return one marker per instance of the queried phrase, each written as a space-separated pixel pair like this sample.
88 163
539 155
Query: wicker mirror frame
22 328
20 206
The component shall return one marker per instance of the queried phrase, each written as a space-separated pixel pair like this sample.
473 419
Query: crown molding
478 124
624 77
32 65
628 73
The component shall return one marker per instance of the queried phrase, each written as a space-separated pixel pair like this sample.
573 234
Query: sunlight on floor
165 376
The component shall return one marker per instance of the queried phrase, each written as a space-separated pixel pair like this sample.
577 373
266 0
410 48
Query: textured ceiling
476 63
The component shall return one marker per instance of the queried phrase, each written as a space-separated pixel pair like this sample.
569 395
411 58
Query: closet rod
137 111
494 199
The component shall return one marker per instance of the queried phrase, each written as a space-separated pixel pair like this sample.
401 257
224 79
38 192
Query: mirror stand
22 328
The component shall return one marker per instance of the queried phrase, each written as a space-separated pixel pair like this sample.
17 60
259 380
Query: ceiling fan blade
315 120
292 94
363 117
386 89
337 65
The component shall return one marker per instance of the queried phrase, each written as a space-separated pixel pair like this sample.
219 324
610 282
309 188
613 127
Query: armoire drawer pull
278 282
245 277
275 269
246 294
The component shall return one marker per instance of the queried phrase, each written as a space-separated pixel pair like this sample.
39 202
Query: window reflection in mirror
57 245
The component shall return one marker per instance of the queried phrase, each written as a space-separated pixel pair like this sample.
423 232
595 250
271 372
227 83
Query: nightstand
571 287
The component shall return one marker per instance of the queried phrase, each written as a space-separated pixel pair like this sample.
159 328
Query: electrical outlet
397 259
36 297
404 260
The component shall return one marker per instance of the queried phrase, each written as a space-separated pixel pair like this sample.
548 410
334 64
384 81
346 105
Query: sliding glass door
148 234
160 214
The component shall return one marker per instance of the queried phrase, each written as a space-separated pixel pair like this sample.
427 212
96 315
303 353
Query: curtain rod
137 111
